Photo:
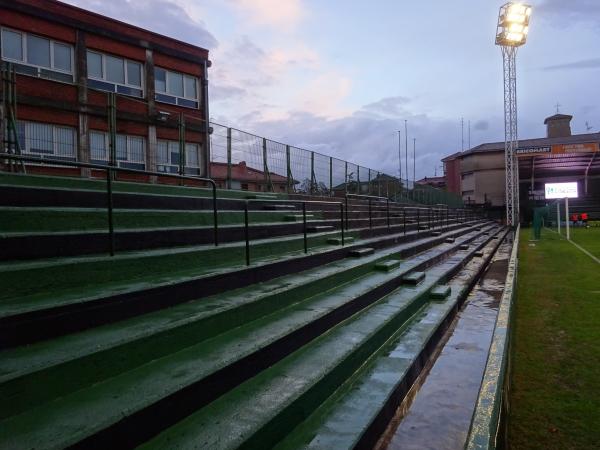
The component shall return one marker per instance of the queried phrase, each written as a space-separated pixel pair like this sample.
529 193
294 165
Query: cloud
481 125
393 107
161 16
568 11
284 15
584 64
371 139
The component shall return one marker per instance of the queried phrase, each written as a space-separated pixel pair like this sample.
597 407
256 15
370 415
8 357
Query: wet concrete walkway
438 413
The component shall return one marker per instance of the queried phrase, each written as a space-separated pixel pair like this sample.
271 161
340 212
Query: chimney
558 125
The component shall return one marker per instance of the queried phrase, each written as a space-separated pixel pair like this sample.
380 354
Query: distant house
436 182
382 184
247 178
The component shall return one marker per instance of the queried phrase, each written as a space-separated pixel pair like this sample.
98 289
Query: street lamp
511 33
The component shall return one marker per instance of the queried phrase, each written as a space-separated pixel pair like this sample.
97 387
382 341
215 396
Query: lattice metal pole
509 55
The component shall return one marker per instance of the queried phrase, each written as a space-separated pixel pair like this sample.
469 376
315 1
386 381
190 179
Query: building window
37 56
176 88
46 140
130 150
168 160
114 74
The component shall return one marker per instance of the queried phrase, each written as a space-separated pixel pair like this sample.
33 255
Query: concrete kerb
485 429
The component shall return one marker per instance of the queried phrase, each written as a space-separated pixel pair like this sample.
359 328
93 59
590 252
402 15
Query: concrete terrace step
261 411
116 285
361 408
97 398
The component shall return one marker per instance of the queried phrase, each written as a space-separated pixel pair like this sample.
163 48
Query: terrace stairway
177 343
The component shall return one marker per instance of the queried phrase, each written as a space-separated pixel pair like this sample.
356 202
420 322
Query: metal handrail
304 227
109 170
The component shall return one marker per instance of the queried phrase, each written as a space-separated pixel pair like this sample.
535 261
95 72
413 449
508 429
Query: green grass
555 395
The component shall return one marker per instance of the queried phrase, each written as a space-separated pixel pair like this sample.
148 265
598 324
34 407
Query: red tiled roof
241 172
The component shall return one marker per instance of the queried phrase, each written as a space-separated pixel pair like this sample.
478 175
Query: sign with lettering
559 149
532 151
561 190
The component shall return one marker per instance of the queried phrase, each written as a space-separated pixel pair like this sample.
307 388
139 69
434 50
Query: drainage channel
437 412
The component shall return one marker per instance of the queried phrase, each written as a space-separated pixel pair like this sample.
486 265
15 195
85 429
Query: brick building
68 60
478 174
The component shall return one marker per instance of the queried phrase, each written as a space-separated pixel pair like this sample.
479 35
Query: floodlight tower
511 33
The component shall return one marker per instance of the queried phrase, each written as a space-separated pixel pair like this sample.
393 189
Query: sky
341 76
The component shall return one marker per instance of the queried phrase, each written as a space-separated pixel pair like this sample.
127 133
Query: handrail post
347 213
304 223
342 221
111 230
388 211
246 236
418 221
404 217
215 214
370 220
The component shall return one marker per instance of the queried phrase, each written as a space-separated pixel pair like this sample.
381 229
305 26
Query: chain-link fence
242 160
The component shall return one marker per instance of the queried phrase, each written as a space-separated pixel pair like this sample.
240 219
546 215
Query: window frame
120 162
27 140
103 56
161 166
25 62
196 99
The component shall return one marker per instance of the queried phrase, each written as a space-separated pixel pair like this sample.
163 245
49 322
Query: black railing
109 180
304 221
433 215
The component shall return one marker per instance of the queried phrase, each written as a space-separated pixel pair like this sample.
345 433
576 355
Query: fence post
268 184
181 145
229 158
112 130
109 204
404 219
369 183
370 220
358 179
342 221
330 176
346 188
304 222
288 161
246 233
388 211
312 173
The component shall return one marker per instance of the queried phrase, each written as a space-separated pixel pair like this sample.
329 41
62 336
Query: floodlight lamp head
513 24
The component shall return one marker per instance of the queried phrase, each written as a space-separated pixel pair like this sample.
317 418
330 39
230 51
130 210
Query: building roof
452 156
539 142
557 117
428 180
242 172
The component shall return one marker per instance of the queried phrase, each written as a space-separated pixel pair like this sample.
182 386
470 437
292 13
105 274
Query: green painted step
75 361
414 278
73 280
440 292
298 217
195 361
341 421
24 220
338 240
388 265
74 183
261 197
274 207
260 412
170 373
319 228
360 252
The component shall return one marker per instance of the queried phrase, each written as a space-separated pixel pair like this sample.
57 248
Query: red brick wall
452 168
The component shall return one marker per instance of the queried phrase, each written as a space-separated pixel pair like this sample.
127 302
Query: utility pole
462 134
414 159
469 134
400 160
406 148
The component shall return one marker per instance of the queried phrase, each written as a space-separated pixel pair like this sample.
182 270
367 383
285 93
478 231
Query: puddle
442 405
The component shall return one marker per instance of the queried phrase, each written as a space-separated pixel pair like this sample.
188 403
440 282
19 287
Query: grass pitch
555 392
